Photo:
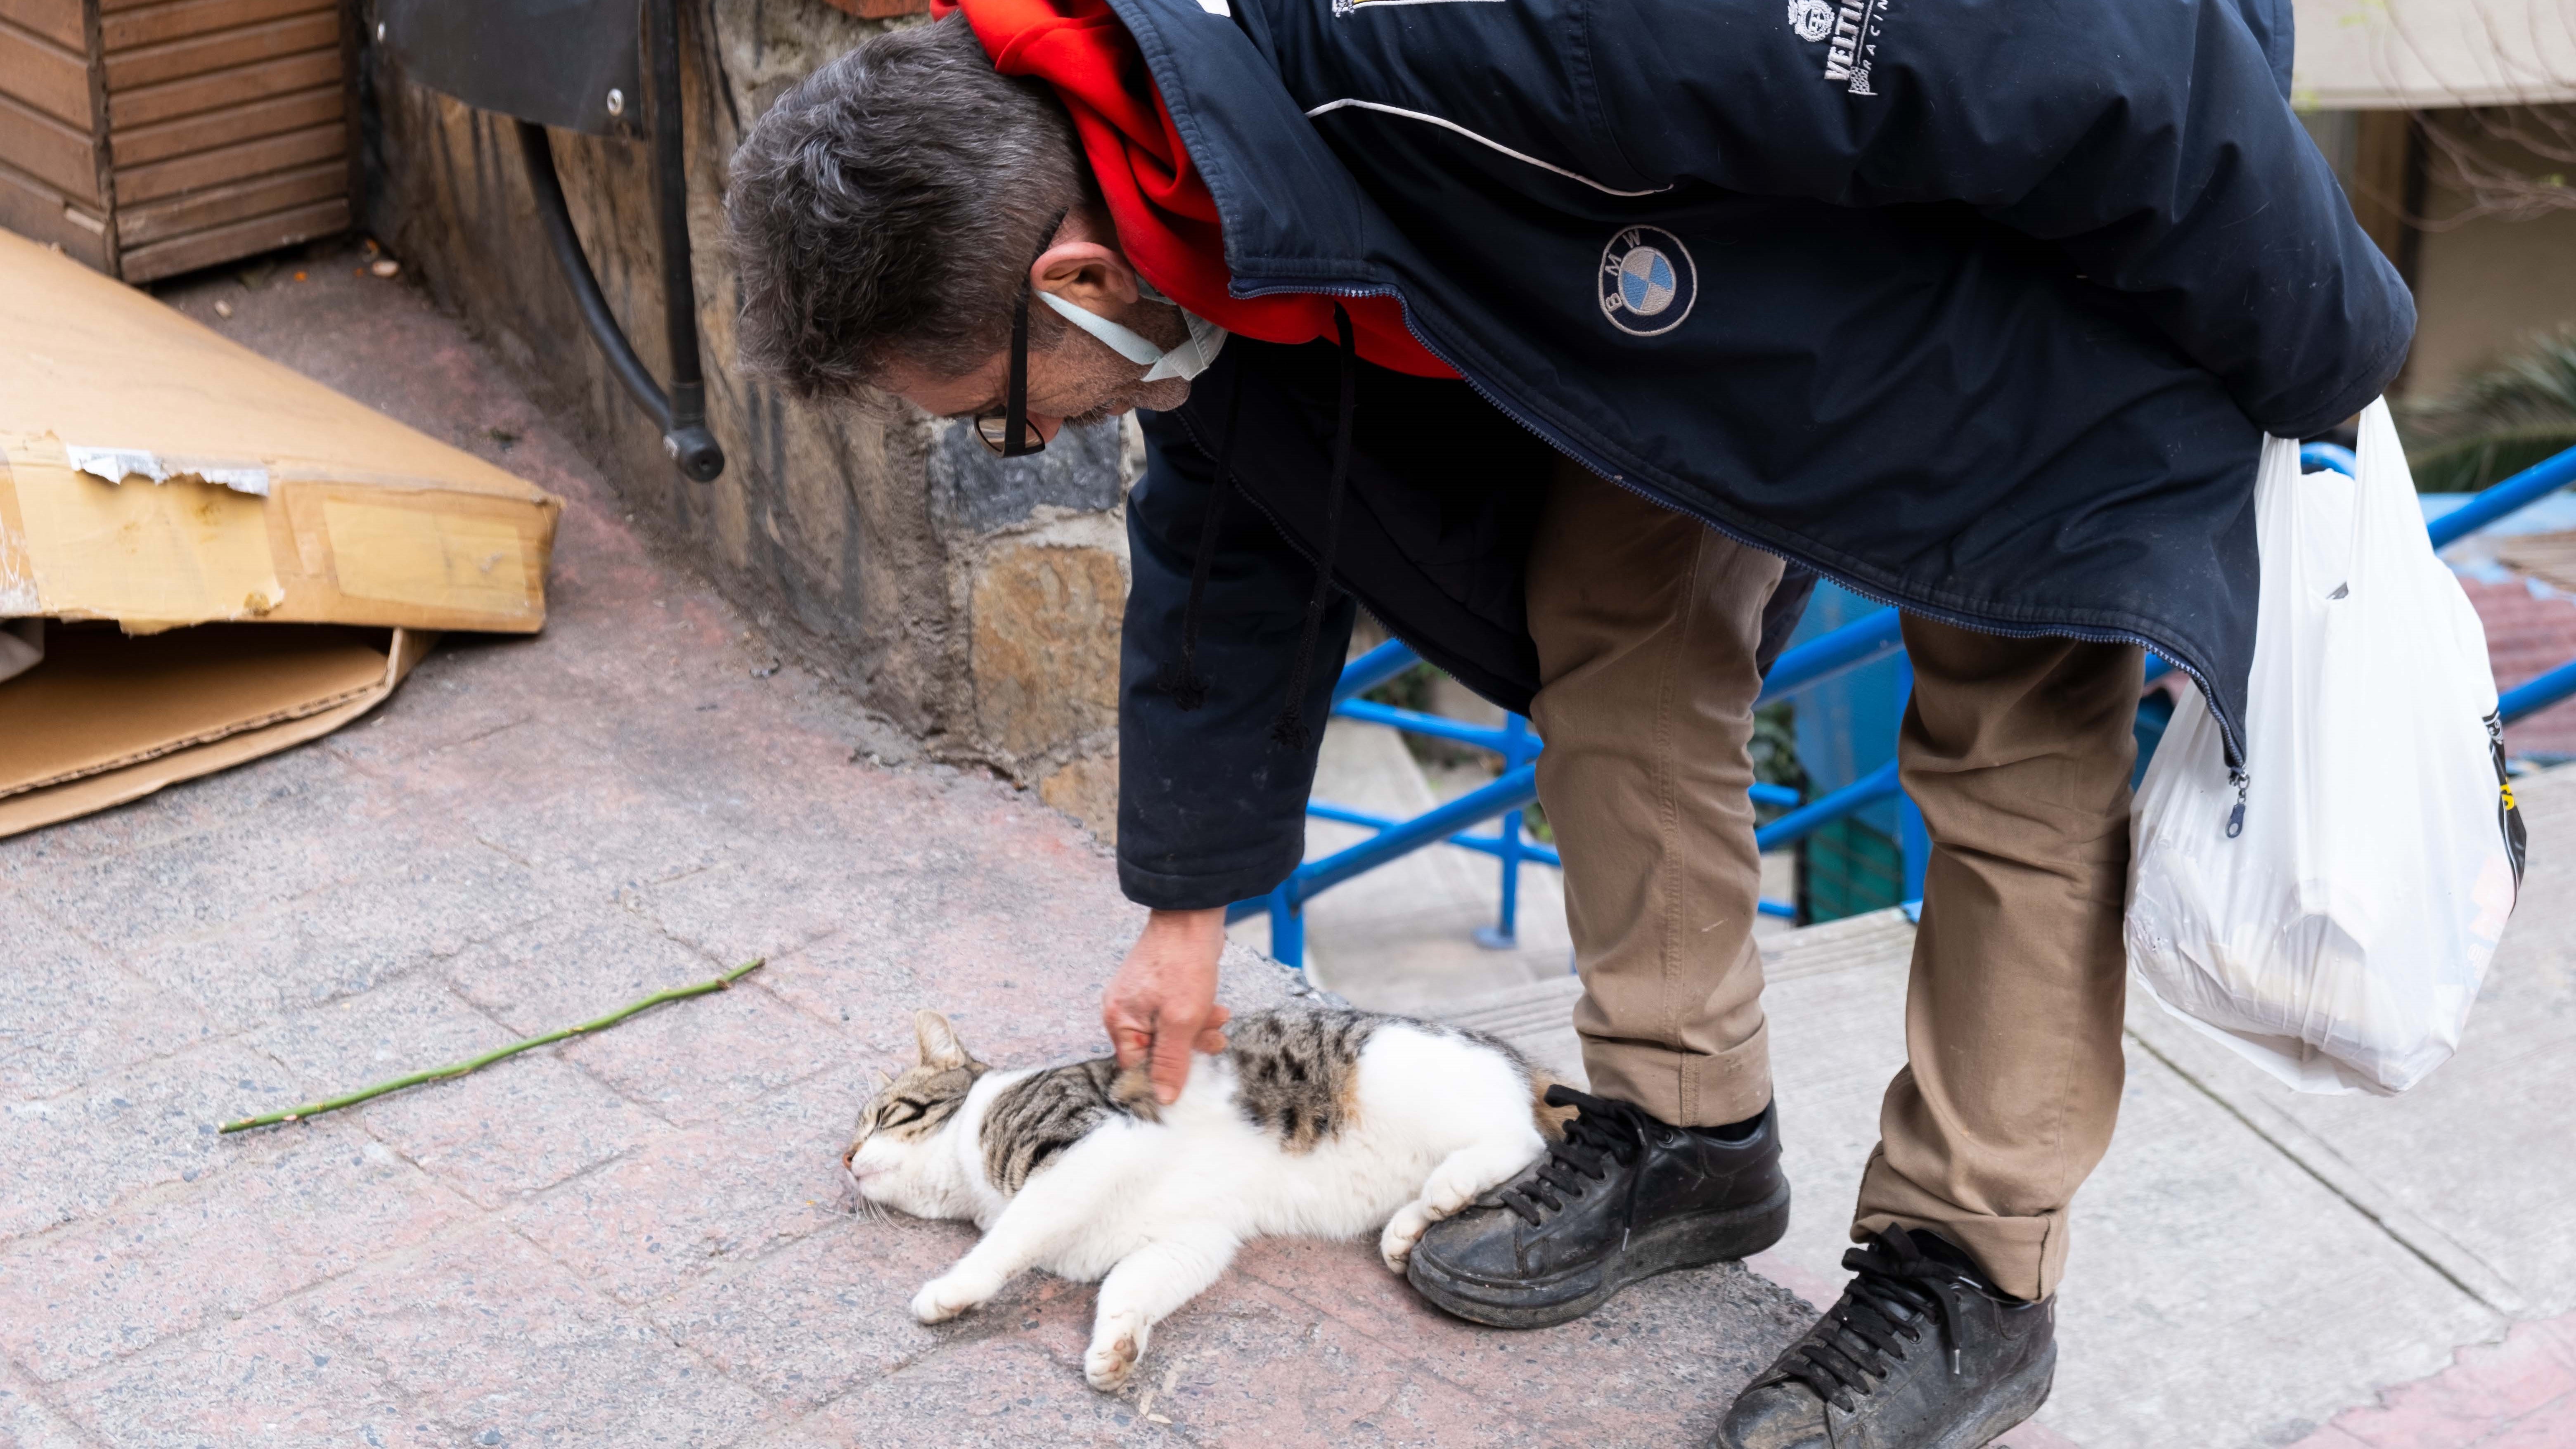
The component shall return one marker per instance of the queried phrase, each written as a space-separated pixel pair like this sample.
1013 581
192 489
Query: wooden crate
149 137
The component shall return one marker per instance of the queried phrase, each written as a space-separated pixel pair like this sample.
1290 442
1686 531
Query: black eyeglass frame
1018 439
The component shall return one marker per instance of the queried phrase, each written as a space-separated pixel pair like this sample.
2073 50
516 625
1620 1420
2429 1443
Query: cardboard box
158 477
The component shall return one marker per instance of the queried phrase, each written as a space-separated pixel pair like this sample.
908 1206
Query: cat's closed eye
898 1112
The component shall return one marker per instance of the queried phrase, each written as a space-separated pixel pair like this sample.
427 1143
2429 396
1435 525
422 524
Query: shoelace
1881 1315
1603 1131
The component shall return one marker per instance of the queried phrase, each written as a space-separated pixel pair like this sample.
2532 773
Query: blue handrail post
1511 846
1287 928
1913 842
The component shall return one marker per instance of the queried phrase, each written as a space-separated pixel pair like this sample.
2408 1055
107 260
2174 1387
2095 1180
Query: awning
2382 55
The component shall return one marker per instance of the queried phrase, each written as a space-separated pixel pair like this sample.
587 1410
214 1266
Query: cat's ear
940 1048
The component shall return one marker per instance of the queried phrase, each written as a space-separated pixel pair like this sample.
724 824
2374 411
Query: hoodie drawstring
1289 731
1183 682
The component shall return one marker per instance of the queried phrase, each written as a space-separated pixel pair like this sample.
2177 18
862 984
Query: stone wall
975 602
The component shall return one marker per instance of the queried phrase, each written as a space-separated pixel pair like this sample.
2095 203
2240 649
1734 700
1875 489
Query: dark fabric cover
1995 340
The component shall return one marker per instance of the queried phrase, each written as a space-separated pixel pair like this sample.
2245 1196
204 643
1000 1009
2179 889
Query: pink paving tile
269 1379
578 964
647 1224
27 1421
1650 1361
2527 636
1251 1364
148 1126
2551 1426
71 1301
69 1013
697 1060
820 1315
512 1129
996 1393
493 1338
2488 1388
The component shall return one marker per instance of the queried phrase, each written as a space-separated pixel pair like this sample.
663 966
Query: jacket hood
1167 221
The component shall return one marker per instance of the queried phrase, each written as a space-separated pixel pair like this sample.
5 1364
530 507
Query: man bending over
1575 338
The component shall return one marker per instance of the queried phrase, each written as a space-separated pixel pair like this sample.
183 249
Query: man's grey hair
888 207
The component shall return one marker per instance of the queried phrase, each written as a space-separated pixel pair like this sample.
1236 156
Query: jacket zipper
2235 750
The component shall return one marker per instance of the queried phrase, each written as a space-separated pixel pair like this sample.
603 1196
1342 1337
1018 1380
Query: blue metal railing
1856 645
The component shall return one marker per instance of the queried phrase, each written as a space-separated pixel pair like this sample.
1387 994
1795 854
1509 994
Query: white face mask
1185 361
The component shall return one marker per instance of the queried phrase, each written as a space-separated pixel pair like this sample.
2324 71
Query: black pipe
685 434
681 413
575 265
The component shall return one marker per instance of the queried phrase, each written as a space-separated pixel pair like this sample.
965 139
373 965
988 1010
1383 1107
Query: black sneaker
1921 1353
1623 1197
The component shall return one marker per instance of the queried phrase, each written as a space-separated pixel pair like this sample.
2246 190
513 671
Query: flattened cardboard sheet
106 719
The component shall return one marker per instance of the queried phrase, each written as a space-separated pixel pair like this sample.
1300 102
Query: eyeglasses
1008 432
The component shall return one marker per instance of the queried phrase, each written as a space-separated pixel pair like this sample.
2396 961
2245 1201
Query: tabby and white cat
1313 1122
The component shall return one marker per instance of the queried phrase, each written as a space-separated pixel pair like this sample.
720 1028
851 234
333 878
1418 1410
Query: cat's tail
1551 1120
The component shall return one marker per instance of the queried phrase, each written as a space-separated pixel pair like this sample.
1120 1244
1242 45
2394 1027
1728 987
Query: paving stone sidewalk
639 1238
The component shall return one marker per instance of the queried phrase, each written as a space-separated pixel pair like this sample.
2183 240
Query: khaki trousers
2017 751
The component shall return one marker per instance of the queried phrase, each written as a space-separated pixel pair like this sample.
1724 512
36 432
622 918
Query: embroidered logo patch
1648 281
1854 26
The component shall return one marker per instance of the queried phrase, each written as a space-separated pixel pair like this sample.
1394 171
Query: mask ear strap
1015 402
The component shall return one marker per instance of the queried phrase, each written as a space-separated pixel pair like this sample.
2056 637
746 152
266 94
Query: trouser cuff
2025 1256
1685 1088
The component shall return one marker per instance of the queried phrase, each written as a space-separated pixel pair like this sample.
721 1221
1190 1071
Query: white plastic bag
2336 931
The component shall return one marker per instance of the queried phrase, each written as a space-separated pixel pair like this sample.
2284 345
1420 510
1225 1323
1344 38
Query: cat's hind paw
943 1298
1115 1348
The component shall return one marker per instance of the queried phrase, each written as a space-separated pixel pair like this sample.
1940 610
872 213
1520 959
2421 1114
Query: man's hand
1162 1002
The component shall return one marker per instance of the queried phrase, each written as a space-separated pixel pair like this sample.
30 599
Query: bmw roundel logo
1648 281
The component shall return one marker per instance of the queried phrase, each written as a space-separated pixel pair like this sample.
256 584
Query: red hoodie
1167 222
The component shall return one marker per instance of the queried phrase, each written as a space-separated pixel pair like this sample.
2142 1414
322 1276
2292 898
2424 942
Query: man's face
1078 379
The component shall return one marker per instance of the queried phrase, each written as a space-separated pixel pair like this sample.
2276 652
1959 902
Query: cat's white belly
1421 1096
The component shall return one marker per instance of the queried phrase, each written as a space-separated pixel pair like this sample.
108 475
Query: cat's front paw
1405 1229
1115 1348
943 1298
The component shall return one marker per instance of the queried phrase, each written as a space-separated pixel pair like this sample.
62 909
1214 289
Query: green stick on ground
471 1064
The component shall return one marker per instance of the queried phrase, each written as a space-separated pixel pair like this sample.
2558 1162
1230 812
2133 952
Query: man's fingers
1212 1041
1130 1043
1171 1070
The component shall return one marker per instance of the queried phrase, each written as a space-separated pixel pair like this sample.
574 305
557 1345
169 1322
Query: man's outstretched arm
1211 810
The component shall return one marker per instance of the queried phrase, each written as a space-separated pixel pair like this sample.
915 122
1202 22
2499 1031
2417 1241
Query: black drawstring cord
1183 682
1289 730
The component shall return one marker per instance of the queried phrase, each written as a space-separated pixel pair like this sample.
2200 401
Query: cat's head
899 1156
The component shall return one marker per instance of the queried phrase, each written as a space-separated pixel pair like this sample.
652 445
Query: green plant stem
474 1064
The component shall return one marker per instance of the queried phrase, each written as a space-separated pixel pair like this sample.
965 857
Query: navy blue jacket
1981 310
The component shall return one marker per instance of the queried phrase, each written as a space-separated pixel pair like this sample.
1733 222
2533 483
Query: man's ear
940 1049
1089 274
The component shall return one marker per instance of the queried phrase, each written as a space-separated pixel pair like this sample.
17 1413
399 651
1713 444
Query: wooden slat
231 243
179 19
57 20
32 209
157 63
222 128
50 151
152 105
45 75
143 225
226 164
